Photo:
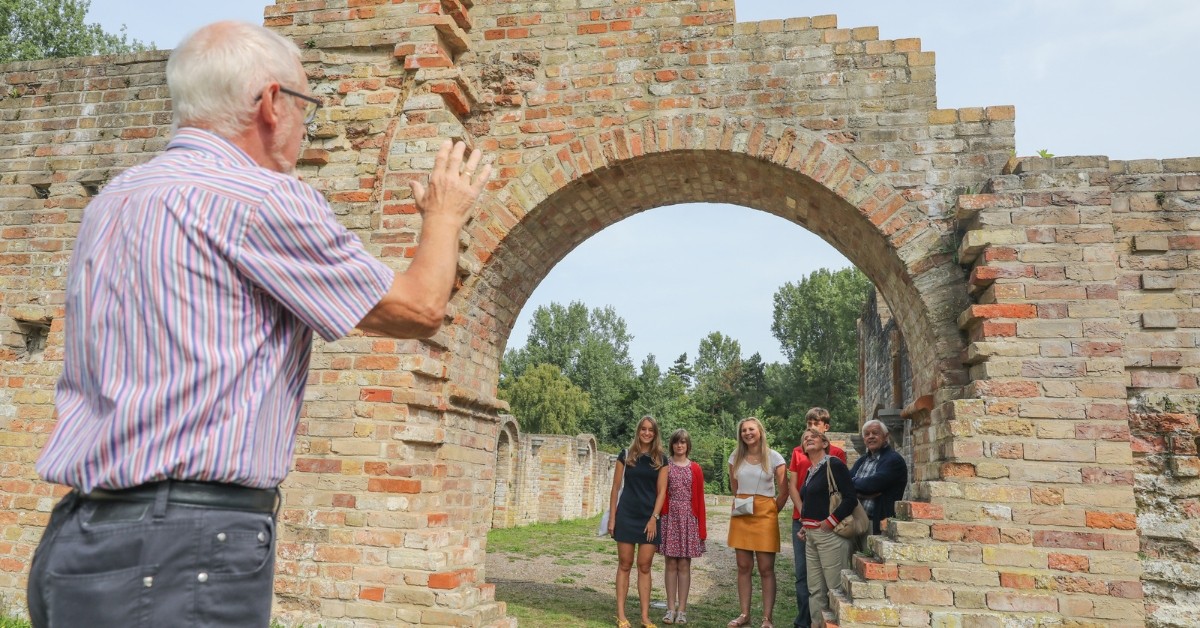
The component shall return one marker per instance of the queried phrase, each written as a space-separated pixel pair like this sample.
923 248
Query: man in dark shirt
879 476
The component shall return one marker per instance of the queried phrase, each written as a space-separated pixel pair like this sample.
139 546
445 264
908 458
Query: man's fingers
481 178
418 192
454 166
440 162
473 162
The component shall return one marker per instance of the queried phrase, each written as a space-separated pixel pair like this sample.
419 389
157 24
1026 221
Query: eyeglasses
310 109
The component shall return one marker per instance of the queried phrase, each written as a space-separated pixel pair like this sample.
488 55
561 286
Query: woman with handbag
829 519
756 473
683 525
642 469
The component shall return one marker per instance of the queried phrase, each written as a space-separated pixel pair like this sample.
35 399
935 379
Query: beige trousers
827 554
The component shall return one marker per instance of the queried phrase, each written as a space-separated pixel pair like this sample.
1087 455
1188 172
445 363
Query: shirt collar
192 138
874 455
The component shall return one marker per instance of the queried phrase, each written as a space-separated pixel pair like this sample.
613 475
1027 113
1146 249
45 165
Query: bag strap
833 488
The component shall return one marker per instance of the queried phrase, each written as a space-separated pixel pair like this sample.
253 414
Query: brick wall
557 478
885 375
1070 294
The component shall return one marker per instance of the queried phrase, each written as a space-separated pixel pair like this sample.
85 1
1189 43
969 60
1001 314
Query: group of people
658 507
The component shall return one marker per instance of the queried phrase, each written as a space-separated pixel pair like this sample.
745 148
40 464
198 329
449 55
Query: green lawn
574 600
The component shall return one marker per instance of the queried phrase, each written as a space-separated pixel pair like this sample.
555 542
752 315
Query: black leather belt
206 494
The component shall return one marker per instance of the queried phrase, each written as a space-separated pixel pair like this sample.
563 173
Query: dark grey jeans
135 564
801 562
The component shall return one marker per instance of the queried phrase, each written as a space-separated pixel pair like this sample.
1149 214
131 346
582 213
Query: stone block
1150 244
1160 320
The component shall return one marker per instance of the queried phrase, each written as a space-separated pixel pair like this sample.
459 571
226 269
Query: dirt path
590 577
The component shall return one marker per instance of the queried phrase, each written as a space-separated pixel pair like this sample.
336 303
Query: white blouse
750 477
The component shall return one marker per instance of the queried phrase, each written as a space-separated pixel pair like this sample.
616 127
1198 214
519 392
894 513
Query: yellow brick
943 116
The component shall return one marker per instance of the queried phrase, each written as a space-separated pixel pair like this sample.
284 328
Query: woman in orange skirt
756 470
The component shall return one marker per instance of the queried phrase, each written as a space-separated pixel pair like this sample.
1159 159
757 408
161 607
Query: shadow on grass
539 595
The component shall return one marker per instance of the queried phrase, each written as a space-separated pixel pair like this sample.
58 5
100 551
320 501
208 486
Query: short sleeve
303 258
621 457
776 459
794 465
732 456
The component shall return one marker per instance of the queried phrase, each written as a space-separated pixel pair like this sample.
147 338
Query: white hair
875 422
216 72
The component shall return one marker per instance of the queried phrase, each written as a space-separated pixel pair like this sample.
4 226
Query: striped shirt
195 285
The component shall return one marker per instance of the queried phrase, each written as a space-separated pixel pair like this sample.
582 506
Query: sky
1087 77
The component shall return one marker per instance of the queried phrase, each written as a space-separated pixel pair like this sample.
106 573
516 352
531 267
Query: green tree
718 370
546 402
592 350
682 369
42 29
815 322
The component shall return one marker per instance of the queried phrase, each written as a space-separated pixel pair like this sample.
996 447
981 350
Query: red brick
1004 310
914 573
1071 540
318 465
1068 562
870 569
388 485
374 594
1128 590
1016 581
1107 520
919 510
375 394
447 580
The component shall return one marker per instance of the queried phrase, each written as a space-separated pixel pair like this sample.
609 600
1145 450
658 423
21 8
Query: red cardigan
697 499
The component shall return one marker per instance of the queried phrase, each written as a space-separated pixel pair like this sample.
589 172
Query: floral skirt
680 535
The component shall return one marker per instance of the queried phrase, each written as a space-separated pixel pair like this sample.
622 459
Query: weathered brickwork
885 372
1033 311
546 478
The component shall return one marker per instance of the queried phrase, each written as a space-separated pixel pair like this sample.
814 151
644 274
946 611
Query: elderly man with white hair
193 292
879 476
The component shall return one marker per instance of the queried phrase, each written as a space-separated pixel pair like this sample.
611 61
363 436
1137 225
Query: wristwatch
656 517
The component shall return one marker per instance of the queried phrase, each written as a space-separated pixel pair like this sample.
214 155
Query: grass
8 619
577 601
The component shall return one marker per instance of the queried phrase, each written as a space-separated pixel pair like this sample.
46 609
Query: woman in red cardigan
683 525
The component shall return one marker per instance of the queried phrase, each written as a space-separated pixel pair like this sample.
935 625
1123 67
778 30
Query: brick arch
508 446
572 192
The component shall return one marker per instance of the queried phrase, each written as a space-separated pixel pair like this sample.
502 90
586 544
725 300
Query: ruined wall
1156 205
885 375
562 478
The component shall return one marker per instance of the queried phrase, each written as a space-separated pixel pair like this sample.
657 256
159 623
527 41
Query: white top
750 477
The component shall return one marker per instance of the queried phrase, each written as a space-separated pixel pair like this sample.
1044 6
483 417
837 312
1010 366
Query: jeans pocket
238 589
105 599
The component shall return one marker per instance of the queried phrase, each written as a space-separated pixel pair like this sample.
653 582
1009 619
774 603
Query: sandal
649 626
623 623
739 621
680 618
669 618
767 624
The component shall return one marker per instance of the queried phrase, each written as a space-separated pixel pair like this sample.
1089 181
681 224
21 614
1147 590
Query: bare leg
671 581
645 560
683 582
745 567
624 564
766 573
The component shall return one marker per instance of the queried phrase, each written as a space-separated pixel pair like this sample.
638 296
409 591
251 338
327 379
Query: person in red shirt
817 419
